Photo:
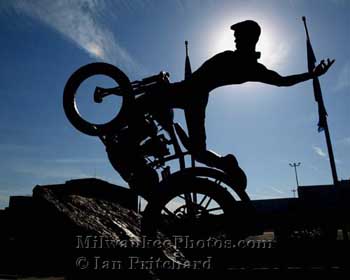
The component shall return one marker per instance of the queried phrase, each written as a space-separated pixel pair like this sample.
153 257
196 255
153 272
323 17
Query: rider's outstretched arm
273 78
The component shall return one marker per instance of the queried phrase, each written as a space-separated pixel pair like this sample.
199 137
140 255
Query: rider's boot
250 218
230 166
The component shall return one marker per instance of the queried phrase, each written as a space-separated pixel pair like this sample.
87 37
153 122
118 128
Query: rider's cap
248 26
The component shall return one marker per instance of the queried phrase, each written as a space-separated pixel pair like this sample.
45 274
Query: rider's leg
195 119
144 179
227 163
119 159
140 177
133 168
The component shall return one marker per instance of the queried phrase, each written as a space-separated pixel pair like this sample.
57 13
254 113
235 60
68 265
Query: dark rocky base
73 230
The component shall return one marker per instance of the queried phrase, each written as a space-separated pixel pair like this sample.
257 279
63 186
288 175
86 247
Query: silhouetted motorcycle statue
195 201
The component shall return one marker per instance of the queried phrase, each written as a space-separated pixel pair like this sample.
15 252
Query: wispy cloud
49 172
319 151
269 192
279 191
343 80
80 21
324 155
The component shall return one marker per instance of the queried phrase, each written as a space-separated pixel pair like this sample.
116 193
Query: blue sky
266 127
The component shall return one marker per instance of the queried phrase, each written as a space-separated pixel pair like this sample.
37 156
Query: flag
311 62
188 70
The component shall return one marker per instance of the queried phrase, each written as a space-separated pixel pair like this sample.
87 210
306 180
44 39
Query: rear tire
169 213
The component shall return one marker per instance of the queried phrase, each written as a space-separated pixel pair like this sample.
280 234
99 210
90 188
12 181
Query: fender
212 173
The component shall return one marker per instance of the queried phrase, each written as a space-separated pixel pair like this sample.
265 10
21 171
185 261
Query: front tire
69 97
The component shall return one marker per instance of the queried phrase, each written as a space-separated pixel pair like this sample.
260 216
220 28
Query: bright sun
273 51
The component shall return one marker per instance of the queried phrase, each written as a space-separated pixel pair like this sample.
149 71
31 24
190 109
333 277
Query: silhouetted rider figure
226 68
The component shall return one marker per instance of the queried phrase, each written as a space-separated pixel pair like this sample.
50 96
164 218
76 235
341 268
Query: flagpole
188 73
323 124
331 155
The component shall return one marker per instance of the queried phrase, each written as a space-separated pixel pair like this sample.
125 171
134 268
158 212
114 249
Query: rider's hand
322 68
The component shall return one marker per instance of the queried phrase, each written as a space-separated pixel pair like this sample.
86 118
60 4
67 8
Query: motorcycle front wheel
75 83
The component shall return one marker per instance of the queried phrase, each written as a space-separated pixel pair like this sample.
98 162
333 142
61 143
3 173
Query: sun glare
95 50
273 50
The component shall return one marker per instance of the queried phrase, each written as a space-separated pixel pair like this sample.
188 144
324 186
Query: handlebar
161 77
137 86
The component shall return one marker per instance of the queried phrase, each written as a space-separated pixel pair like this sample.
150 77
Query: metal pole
319 100
295 165
188 73
331 155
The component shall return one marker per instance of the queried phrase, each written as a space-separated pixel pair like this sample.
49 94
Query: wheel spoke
214 209
188 198
203 199
206 206
194 197
218 182
190 206
196 212
167 211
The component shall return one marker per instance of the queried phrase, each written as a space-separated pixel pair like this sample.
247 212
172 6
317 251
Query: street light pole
295 165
